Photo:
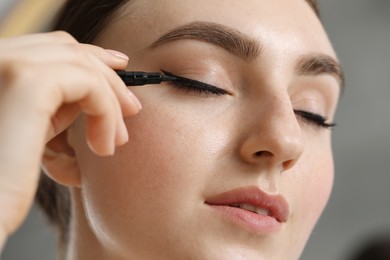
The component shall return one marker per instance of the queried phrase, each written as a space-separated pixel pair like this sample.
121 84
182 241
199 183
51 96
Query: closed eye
196 86
201 87
314 119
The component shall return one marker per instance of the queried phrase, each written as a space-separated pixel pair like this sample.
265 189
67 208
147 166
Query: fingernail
111 149
124 134
109 152
135 99
118 54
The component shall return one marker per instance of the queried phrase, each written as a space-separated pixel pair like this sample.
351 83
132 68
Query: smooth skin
148 200
46 81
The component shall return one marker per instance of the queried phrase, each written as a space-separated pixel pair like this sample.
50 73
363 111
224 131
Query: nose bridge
276 135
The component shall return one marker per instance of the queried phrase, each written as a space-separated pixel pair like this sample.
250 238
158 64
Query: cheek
161 168
320 183
313 181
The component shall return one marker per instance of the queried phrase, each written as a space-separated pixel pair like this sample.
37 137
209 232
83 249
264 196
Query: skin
148 200
38 100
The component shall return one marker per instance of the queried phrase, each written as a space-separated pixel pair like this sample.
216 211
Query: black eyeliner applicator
139 78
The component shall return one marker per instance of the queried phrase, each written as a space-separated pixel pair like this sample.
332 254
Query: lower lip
248 220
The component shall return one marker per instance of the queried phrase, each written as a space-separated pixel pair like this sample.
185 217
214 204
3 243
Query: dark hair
84 20
314 5
376 248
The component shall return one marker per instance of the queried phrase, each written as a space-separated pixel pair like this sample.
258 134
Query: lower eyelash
315 119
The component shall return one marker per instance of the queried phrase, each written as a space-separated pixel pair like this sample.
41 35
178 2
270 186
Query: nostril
258 154
262 154
288 164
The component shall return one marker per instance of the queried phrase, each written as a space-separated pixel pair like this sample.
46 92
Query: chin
264 250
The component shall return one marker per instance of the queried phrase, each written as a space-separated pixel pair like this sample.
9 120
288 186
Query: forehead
280 21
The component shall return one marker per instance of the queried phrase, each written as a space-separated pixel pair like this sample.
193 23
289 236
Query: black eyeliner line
140 78
206 86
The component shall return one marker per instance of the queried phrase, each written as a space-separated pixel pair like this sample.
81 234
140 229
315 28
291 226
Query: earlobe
59 161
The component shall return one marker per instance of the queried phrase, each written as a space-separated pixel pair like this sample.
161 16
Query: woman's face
237 173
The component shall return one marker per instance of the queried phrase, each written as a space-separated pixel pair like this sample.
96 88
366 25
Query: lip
226 205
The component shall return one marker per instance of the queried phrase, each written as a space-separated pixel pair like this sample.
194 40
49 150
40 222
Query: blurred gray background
359 208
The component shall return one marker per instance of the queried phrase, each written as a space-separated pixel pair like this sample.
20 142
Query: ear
59 161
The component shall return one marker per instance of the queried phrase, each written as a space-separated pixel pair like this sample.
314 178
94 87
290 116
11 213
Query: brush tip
168 78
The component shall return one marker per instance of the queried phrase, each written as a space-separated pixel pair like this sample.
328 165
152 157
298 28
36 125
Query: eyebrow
316 64
228 38
241 45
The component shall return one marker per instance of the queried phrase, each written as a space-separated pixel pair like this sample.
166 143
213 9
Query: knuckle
94 80
73 49
22 79
12 70
22 75
63 36
74 55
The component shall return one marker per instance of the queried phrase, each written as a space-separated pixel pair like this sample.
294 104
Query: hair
84 20
377 247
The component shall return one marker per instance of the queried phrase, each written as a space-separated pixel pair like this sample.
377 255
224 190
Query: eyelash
201 87
194 85
315 119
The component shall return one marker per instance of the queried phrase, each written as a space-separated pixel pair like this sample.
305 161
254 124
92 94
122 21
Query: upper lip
276 205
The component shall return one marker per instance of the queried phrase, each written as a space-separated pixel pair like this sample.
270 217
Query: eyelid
216 90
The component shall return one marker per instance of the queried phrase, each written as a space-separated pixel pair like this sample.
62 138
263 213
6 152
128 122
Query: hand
46 81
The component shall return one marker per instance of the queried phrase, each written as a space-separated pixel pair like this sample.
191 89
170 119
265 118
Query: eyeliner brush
139 78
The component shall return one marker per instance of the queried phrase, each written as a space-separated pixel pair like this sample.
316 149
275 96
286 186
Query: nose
273 135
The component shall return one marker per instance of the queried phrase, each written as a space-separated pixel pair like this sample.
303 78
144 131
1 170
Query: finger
112 58
66 114
101 135
56 37
70 51
129 103
120 134
75 84
67 53
77 53
97 100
